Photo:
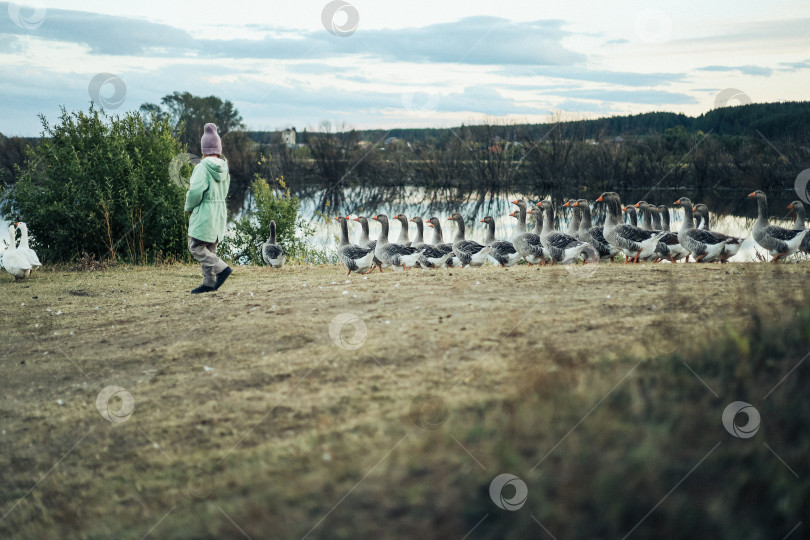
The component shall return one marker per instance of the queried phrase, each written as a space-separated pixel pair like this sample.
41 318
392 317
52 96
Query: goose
23 247
15 262
503 252
674 250
364 241
635 243
403 238
469 252
562 248
661 249
631 215
573 224
432 256
779 242
704 246
797 208
397 256
528 244
272 253
594 235
733 243
356 258
438 242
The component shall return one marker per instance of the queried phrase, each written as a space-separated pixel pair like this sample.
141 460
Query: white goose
24 249
14 261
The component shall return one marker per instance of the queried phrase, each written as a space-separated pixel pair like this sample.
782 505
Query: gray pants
206 254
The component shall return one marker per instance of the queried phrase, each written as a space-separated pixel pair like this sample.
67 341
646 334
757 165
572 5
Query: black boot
222 276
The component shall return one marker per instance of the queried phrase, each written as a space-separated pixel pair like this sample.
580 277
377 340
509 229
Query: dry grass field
302 403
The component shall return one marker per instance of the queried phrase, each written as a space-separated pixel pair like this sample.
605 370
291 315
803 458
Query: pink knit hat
210 142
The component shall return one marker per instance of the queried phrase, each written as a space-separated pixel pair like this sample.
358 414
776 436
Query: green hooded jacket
205 200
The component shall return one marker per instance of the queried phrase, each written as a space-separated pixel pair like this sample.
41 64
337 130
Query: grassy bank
296 403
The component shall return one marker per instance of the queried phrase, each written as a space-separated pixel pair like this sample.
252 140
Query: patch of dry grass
249 416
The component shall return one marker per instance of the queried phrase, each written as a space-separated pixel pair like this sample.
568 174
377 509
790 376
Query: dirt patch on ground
278 365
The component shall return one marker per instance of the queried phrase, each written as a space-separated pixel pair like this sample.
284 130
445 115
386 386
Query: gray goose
576 217
438 242
705 246
469 252
397 256
779 242
364 241
797 208
272 253
594 235
661 250
561 247
403 238
674 250
528 244
733 243
432 256
635 243
356 258
631 215
503 252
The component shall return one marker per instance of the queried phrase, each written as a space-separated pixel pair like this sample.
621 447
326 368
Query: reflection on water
732 212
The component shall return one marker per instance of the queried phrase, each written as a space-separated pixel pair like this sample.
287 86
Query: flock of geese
581 242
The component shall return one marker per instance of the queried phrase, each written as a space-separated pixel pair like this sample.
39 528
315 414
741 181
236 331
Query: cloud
480 40
756 71
647 97
623 78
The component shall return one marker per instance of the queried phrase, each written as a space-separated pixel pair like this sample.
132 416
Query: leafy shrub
243 243
100 185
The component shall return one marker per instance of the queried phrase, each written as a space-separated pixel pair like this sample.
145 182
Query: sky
370 64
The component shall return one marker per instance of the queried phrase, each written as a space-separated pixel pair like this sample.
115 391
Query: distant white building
288 137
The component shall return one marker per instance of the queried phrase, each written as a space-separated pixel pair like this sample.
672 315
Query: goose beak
600 199
336 218
515 201
430 225
374 217
356 219
635 205
694 209
790 206
575 204
483 221
566 205
678 202
753 194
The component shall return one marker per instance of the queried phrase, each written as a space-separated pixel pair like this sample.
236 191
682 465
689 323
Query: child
206 202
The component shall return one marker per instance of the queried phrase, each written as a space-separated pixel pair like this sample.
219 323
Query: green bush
243 243
100 185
